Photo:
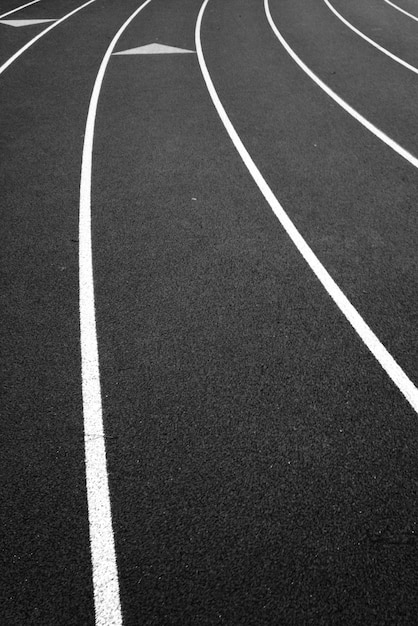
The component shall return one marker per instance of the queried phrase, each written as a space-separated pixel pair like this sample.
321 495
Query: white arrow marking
18 23
156 48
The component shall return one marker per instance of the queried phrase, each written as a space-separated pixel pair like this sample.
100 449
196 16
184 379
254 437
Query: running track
209 312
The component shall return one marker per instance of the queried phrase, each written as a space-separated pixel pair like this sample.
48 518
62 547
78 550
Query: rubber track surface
262 466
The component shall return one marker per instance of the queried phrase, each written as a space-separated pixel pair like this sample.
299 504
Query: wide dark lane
382 23
262 466
350 195
45 555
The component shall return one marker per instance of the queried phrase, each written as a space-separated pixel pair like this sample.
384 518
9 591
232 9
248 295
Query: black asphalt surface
263 467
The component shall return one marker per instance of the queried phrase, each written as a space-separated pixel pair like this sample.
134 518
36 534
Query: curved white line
105 575
385 359
402 10
44 32
342 103
18 9
412 68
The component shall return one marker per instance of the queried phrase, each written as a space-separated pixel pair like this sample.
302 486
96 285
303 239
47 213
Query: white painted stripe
412 68
44 32
23 23
402 10
385 359
18 8
349 109
105 575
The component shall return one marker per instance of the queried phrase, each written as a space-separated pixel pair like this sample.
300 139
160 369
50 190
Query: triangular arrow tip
155 48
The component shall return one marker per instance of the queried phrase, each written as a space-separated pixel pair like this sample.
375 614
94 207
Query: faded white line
402 10
18 8
105 575
385 359
392 56
44 32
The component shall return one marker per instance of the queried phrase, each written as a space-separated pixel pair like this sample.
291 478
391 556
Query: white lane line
102 544
385 359
412 68
44 32
402 10
18 8
342 103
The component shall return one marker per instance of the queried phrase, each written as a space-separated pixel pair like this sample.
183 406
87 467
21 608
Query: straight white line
35 39
105 574
412 68
385 359
18 8
402 10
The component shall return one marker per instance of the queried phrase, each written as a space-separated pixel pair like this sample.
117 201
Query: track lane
253 442
397 375
371 41
372 84
364 214
10 5
261 466
13 39
384 24
354 113
19 8
31 42
46 555
398 8
311 157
